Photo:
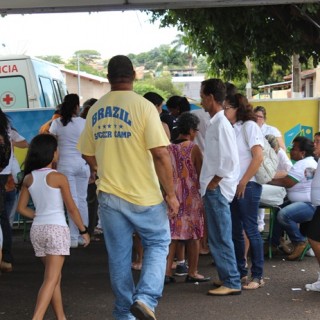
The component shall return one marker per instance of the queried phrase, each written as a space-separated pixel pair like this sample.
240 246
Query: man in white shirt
218 181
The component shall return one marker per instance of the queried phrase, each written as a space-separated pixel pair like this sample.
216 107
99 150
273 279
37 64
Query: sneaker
181 270
314 286
310 253
142 312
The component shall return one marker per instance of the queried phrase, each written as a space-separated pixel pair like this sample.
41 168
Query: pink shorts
50 239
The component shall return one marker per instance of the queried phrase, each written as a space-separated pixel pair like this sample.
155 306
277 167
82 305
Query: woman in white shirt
245 205
68 129
299 207
261 116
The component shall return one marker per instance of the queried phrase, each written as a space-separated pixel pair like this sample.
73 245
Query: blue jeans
119 219
244 212
220 237
288 218
4 221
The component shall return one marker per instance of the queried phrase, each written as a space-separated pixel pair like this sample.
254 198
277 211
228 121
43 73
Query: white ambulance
30 89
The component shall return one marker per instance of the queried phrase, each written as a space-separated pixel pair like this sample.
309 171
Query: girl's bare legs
50 289
56 302
193 247
172 252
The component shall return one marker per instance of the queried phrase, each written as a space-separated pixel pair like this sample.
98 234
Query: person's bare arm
196 157
281 143
286 182
92 162
21 144
163 167
24 197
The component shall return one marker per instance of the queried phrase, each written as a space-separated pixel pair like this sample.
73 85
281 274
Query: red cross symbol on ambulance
7 99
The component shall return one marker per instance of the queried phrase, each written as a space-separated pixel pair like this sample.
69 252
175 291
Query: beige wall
88 88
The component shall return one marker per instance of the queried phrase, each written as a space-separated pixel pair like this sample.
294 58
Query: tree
53 59
89 60
268 35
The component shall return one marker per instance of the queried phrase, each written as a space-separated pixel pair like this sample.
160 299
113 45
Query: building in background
91 86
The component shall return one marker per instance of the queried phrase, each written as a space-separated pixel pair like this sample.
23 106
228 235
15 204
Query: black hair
230 88
153 97
186 122
317 134
120 70
86 106
215 87
305 145
40 153
69 107
178 103
4 123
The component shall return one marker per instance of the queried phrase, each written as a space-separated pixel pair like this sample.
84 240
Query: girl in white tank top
49 233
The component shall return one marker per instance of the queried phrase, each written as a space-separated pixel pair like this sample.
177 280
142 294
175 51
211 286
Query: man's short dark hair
215 87
120 69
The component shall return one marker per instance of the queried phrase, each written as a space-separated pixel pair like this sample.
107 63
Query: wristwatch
84 231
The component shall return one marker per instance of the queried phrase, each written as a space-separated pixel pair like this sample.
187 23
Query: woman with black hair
68 129
299 208
9 138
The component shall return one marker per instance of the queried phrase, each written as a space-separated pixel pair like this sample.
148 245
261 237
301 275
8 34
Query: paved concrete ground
87 294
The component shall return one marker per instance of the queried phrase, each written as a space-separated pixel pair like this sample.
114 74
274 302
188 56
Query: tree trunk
296 77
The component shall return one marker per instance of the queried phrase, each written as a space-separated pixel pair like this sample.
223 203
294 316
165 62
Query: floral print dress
189 222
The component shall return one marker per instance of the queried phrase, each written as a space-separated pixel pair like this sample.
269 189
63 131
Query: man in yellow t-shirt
124 142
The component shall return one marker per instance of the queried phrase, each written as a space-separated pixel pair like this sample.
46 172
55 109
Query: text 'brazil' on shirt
120 129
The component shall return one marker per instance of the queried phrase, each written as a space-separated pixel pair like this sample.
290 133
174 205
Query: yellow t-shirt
120 129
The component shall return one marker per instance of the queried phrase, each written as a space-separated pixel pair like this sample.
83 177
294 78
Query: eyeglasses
259 117
316 141
228 106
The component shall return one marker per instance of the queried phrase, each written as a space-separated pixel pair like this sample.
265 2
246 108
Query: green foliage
158 58
53 59
88 62
268 35
161 85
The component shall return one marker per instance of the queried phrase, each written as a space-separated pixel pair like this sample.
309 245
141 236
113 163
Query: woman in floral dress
188 225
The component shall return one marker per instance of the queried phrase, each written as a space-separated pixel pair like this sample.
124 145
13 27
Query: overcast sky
109 33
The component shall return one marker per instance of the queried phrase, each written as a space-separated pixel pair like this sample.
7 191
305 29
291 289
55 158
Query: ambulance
30 89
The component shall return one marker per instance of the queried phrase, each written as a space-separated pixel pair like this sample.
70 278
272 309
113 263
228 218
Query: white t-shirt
14 136
254 136
266 129
303 172
285 163
204 118
315 187
220 156
68 137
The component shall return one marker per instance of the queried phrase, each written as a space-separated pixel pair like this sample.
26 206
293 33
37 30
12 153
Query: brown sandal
254 284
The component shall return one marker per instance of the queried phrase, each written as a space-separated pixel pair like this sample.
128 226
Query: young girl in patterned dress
188 224
50 235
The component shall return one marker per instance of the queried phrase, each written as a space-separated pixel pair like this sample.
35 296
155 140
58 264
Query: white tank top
47 200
